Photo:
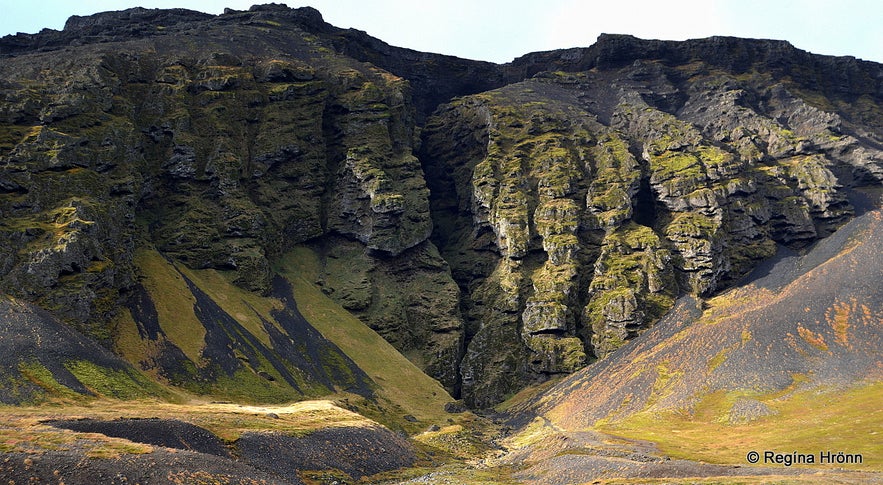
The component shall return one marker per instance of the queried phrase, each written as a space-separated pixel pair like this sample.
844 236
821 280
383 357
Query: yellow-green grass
128 343
469 438
21 431
41 438
102 382
402 387
829 478
174 304
455 440
38 374
173 301
806 422
538 430
126 384
401 383
243 305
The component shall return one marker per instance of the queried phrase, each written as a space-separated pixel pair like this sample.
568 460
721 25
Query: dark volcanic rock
756 336
160 467
575 207
550 209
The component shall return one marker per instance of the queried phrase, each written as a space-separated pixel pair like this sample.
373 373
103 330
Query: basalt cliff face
497 224
575 207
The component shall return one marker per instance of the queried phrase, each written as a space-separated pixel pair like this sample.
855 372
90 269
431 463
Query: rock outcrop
223 146
549 210
758 339
574 207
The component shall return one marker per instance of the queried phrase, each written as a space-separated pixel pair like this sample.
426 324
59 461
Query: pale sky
500 30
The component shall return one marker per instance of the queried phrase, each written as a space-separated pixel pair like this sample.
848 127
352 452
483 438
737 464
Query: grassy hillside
400 381
339 355
197 331
198 324
44 361
848 420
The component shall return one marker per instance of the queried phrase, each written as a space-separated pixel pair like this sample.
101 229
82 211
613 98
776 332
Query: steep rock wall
574 207
541 221
222 143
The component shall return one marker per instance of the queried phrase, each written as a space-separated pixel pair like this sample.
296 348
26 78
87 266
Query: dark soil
28 335
162 466
355 451
308 349
169 433
188 454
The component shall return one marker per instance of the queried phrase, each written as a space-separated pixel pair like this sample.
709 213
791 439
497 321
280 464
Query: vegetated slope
797 343
198 331
42 358
400 382
195 331
554 213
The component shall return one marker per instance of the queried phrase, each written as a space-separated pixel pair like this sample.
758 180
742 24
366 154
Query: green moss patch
114 383
37 373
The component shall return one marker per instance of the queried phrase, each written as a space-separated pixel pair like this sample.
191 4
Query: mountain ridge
626 159
637 247
610 50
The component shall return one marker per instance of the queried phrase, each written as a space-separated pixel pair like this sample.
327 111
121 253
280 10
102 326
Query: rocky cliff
498 224
574 207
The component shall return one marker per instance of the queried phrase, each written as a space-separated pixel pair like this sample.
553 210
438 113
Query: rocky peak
114 22
127 24
138 23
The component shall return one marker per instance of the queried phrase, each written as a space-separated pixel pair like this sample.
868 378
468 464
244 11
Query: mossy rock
553 355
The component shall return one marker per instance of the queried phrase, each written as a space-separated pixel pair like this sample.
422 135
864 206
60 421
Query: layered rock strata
575 207
222 144
497 223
